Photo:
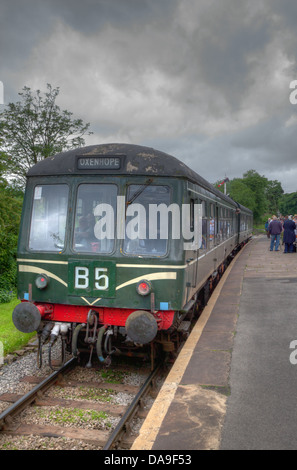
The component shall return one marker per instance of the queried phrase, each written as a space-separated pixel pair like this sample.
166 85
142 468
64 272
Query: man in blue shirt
275 230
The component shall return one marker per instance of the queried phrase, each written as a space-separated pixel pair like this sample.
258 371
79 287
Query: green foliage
31 129
11 338
35 128
257 184
241 193
257 193
274 192
112 376
6 296
288 204
10 215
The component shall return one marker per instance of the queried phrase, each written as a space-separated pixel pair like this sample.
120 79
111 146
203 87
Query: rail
28 398
120 428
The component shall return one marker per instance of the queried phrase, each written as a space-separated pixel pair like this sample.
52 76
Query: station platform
234 384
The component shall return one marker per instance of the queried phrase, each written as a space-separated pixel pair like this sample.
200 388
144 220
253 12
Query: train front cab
66 279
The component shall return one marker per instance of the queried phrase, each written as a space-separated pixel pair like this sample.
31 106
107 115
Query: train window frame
192 204
203 204
67 205
72 235
212 210
145 255
212 226
204 225
217 218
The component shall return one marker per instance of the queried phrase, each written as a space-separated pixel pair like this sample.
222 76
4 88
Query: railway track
117 419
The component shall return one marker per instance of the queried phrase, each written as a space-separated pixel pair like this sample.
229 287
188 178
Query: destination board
99 162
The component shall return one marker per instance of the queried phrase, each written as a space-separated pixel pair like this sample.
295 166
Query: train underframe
102 341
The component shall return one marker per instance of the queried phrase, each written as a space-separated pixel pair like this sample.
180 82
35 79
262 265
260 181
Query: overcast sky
207 81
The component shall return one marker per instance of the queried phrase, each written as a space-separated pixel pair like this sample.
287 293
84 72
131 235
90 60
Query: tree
35 128
241 193
273 194
288 204
10 215
257 193
258 185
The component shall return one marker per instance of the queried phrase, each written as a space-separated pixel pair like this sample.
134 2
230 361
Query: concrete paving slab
208 367
213 339
199 414
261 409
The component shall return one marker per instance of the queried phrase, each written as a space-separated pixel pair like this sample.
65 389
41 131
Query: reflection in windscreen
142 196
92 232
48 222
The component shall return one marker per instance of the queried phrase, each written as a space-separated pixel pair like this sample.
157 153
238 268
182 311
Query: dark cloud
21 25
90 15
207 81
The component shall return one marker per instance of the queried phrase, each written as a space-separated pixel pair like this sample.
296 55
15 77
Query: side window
221 225
228 224
147 220
212 226
95 214
204 226
48 220
192 202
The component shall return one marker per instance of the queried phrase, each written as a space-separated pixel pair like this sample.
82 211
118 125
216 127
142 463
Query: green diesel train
119 245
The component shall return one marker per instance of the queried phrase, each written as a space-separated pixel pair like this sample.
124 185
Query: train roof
131 160
120 159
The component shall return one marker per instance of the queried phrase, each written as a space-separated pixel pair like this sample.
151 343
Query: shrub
6 296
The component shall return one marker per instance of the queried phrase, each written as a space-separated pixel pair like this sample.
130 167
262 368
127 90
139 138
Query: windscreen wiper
140 190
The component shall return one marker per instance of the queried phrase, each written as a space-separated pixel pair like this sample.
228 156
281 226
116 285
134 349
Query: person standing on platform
289 235
294 244
275 229
267 227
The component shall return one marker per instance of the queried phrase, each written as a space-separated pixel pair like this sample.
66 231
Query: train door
212 225
217 224
192 255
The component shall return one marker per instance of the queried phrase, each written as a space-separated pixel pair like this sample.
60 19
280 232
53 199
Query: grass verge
10 337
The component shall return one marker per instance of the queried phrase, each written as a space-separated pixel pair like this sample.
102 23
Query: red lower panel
107 316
